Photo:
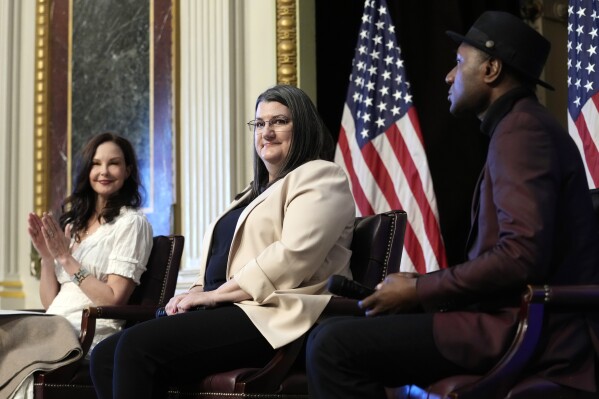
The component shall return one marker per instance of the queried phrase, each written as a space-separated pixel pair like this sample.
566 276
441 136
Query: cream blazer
287 243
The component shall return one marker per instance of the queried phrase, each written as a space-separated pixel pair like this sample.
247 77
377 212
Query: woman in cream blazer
265 263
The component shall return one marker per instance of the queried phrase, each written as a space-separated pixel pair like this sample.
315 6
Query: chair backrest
159 281
377 246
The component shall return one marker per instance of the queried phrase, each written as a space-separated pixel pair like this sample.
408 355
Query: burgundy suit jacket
532 223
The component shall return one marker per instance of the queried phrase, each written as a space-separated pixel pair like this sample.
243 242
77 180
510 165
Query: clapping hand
37 238
56 242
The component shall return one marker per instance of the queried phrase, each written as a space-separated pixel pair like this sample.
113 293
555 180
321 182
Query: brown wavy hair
80 205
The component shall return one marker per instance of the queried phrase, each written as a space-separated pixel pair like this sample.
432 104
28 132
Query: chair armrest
536 300
565 295
267 379
502 377
270 377
124 312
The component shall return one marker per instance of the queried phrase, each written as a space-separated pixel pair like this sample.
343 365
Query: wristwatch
80 276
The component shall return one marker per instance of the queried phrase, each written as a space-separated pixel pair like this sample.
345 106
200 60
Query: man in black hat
532 223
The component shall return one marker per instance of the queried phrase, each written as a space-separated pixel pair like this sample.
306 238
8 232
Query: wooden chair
505 379
156 287
376 251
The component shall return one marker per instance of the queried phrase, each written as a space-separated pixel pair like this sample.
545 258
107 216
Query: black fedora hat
507 37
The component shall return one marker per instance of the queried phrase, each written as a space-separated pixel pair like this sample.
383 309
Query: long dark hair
80 205
310 139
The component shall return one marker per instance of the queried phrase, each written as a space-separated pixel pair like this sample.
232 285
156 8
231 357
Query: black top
216 269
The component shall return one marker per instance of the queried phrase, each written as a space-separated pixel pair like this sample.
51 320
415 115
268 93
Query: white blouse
121 247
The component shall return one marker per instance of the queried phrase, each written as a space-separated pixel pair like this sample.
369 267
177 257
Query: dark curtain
455 147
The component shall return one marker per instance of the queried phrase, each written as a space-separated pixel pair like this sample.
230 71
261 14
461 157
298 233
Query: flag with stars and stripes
380 144
583 83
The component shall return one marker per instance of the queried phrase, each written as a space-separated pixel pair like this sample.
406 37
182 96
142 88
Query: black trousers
356 357
144 360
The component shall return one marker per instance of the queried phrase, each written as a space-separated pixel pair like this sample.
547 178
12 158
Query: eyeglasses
276 123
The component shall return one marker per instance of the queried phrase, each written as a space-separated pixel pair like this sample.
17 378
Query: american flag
380 144
583 82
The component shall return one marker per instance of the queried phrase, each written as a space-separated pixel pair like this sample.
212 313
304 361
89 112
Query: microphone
345 287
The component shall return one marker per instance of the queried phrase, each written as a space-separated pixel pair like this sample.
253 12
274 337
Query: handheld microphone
345 287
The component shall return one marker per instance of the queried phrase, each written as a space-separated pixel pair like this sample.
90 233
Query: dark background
455 147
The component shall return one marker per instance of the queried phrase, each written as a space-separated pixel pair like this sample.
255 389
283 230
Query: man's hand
396 294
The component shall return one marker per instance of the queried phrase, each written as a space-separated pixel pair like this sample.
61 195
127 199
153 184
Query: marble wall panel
112 70
111 74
